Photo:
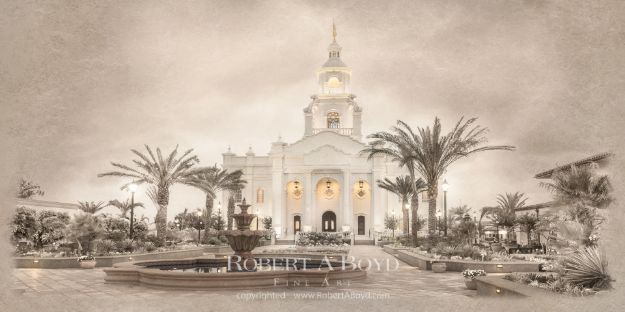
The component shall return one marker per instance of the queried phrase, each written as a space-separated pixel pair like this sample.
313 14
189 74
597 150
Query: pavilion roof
536 206
586 161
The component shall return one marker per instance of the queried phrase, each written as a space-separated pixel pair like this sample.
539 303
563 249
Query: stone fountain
243 240
217 272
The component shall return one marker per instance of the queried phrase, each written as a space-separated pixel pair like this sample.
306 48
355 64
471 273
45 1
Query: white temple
320 182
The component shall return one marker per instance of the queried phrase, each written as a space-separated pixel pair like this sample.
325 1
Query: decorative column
276 190
377 194
347 196
308 193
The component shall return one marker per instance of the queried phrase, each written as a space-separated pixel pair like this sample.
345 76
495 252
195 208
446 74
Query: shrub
469 273
115 228
587 268
42 227
154 240
149 246
85 228
213 241
125 245
104 247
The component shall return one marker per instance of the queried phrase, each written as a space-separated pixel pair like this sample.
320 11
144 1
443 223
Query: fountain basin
209 273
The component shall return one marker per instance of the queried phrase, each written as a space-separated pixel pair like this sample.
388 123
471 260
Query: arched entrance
297 224
361 225
328 222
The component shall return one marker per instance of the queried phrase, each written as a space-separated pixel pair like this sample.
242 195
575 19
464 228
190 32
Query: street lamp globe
132 187
438 213
445 185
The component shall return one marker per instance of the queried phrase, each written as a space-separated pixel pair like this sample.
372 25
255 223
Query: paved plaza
406 281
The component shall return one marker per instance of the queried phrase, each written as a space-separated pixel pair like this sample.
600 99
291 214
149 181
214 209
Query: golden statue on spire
333 31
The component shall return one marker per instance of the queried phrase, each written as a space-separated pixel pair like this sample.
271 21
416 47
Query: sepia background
83 82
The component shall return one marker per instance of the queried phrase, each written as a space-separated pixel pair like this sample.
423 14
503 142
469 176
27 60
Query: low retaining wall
390 249
108 261
425 263
497 286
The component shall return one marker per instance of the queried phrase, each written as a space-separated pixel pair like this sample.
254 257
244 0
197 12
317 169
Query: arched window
260 196
334 122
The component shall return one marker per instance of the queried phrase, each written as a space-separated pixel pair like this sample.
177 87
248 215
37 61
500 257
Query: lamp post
394 223
475 234
257 215
199 226
132 187
407 207
218 225
445 188
438 223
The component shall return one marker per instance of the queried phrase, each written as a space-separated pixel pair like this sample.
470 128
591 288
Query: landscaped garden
570 248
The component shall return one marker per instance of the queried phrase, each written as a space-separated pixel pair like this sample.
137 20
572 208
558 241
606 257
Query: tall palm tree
580 186
213 180
419 187
429 153
91 207
230 212
160 173
402 187
124 207
393 145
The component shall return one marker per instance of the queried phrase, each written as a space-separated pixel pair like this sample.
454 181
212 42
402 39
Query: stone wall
108 261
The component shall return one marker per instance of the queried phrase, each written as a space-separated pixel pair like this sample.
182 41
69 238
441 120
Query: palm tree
91 207
580 186
528 221
160 173
457 213
212 181
583 192
28 189
230 212
484 212
393 145
401 187
430 153
419 186
124 207
505 214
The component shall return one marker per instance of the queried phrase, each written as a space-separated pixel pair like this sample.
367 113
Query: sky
83 83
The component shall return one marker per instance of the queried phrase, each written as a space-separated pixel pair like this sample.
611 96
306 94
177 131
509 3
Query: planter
439 267
89 264
470 283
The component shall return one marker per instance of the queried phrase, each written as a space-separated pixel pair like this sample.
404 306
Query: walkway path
406 281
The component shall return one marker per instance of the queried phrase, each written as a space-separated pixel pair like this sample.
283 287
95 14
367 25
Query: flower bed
326 250
458 265
314 239
551 282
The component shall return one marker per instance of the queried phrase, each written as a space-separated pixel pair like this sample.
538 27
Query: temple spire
333 31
